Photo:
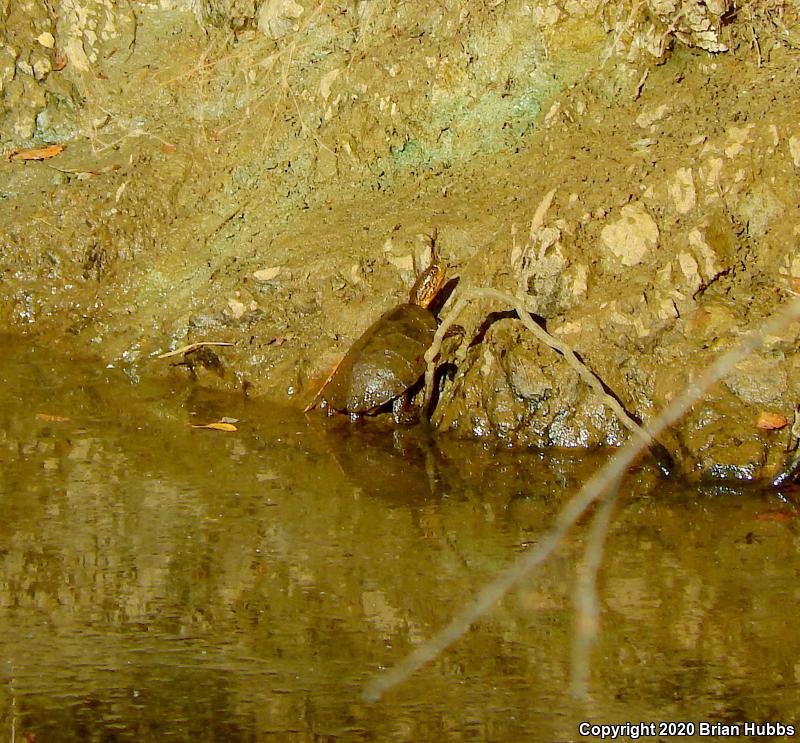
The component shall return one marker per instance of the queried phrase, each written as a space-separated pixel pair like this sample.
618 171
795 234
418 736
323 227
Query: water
160 582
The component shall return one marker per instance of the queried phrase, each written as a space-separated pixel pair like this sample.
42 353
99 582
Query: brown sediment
631 176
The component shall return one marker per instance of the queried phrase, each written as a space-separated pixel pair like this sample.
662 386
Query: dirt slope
267 174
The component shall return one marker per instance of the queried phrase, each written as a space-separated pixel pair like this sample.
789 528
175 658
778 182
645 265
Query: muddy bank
267 175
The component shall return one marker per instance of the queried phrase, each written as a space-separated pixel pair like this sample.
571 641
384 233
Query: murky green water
159 582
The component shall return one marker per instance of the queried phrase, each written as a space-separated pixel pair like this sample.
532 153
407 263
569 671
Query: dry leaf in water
40 153
771 421
779 516
218 426
51 418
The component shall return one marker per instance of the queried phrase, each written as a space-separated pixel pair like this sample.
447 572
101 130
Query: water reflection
159 582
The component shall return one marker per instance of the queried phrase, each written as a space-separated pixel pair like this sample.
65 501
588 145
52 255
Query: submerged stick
585 599
599 484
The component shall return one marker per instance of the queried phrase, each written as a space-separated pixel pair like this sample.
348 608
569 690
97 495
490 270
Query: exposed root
600 484
586 374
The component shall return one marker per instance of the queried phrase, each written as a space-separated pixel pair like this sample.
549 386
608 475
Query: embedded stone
632 235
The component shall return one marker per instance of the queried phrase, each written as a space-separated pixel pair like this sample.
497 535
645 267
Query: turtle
388 359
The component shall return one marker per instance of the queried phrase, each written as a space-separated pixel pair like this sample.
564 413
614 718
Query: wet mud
268 176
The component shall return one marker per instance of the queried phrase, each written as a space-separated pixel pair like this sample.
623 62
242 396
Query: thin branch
599 484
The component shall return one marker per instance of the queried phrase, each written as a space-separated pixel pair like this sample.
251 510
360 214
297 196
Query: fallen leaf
321 387
51 418
59 62
218 426
780 516
771 421
40 153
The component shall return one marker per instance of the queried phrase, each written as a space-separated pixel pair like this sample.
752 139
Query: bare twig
192 347
598 485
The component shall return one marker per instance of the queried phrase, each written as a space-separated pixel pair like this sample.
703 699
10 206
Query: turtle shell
384 362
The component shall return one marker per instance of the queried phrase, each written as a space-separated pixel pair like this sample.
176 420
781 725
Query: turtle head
428 284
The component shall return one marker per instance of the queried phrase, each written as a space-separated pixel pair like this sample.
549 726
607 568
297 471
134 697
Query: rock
681 189
794 150
277 18
791 267
690 270
632 235
758 380
651 115
774 135
403 263
666 309
527 379
236 309
267 274
326 81
710 172
759 208
707 259
737 137
42 68
710 322
46 39
577 276
693 23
